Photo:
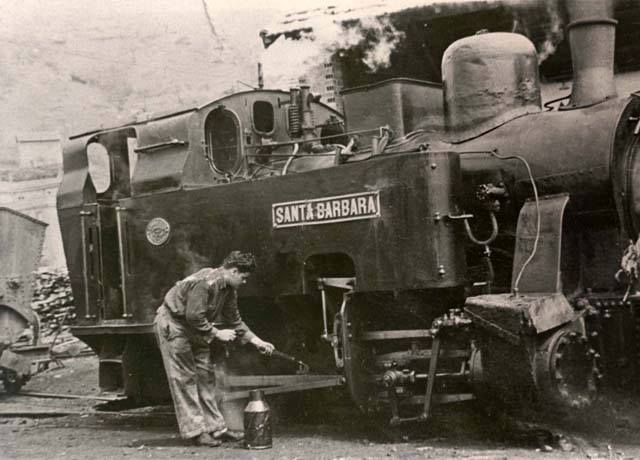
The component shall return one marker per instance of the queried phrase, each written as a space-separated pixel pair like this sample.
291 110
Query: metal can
257 422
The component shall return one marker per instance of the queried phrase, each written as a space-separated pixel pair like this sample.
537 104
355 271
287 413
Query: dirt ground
39 428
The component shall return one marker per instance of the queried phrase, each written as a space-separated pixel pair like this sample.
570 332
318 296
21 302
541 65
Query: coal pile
53 300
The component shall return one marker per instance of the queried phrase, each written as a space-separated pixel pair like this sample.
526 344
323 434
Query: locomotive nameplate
327 210
157 231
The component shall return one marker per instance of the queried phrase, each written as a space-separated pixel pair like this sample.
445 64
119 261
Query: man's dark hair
245 262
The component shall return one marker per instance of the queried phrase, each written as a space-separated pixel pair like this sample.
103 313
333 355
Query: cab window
263 117
99 166
223 140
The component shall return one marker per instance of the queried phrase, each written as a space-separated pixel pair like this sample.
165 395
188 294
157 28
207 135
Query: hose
537 199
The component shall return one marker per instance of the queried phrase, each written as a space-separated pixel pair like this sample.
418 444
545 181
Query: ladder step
340 283
110 360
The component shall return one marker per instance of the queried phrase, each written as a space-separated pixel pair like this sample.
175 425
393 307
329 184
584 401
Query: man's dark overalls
185 331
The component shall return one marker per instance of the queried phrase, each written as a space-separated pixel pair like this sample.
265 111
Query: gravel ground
29 430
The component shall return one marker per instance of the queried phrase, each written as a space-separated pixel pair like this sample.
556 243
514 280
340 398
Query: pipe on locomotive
307 113
592 41
295 122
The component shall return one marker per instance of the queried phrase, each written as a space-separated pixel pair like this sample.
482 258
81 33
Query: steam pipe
592 39
307 113
295 96
288 163
295 126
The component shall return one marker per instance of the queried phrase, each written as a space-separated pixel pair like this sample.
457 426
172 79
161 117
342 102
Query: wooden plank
35 394
394 335
28 411
270 380
326 383
439 398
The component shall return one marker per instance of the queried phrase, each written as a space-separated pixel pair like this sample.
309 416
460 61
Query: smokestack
591 38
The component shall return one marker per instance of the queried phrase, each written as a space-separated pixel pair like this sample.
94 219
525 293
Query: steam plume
554 34
307 38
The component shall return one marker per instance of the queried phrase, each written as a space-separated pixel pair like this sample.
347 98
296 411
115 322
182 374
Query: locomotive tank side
378 215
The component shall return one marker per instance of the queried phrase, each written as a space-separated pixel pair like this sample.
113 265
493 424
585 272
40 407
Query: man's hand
265 348
226 335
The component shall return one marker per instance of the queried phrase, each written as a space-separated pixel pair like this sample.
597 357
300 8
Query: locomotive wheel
489 399
476 374
565 370
355 358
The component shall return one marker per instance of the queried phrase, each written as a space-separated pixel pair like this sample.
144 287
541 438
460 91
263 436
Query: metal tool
303 368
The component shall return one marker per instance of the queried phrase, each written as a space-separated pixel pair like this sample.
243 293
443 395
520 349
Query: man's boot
228 435
205 439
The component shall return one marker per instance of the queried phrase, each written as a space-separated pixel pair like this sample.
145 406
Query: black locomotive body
447 241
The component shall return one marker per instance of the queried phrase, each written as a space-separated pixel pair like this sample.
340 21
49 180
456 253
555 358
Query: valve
393 378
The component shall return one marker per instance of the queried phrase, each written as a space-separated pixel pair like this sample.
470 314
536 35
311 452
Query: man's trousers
187 361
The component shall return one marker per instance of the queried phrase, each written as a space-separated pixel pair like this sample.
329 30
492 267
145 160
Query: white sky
296 5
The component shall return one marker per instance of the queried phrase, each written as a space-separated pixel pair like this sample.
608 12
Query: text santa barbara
325 210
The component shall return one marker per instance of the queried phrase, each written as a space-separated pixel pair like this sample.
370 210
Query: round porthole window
223 140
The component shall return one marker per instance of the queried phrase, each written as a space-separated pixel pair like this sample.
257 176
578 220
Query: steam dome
488 79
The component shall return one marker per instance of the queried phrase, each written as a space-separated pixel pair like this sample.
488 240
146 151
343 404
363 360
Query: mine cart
20 249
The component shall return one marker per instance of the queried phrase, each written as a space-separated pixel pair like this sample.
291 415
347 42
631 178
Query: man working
185 330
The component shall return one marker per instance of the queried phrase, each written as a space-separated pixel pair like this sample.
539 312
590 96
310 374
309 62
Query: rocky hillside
70 66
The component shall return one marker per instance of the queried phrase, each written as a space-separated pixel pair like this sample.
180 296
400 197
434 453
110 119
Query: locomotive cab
112 180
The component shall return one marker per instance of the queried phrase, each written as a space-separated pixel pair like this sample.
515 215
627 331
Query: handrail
85 272
160 145
123 265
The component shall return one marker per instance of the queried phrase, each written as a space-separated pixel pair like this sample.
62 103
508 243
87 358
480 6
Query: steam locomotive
436 243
